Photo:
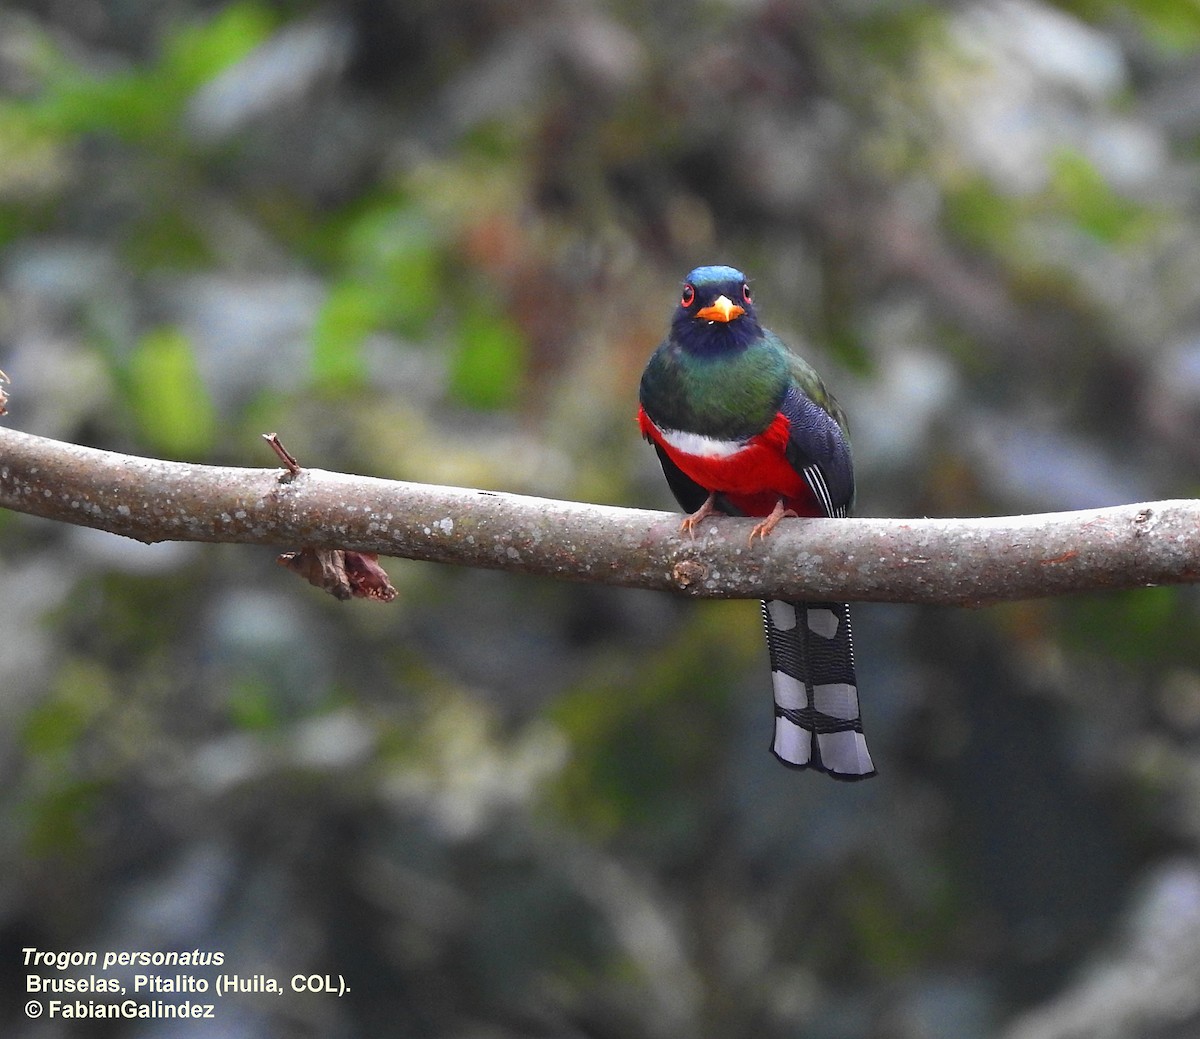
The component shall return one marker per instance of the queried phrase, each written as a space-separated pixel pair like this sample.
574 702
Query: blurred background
436 242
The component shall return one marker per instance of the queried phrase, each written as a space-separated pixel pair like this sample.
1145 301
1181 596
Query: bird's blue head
715 313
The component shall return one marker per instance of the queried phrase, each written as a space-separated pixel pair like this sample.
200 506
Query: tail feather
817 719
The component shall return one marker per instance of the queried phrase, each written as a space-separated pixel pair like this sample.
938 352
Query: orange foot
691 522
761 530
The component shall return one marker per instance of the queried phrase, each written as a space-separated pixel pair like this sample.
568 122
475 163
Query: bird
742 426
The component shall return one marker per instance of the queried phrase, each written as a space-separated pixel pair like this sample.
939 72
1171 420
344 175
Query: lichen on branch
949 561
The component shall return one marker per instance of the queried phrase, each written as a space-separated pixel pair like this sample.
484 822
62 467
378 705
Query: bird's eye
745 293
689 295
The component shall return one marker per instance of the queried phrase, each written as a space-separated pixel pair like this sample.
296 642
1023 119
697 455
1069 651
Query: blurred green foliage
167 396
1086 197
389 262
644 741
144 104
489 366
1175 26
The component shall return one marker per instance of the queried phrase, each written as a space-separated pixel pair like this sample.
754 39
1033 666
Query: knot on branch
1144 521
688 572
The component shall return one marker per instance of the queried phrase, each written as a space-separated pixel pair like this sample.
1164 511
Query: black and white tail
817 720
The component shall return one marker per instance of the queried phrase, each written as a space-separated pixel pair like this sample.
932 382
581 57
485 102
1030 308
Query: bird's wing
818 446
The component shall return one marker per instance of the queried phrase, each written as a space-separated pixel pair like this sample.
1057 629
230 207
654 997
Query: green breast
728 397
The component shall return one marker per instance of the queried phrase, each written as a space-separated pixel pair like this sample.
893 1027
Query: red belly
753 479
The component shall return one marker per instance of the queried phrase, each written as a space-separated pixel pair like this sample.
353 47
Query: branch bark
949 561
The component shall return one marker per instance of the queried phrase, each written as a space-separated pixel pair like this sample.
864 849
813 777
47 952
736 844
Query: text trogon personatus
745 427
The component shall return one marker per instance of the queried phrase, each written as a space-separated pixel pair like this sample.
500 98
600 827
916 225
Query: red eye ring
688 297
746 293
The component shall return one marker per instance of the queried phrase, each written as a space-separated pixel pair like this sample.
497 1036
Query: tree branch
951 561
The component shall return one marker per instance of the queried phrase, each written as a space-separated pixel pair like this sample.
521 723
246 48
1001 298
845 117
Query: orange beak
722 309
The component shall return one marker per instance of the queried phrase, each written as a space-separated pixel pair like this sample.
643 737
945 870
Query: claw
691 522
761 530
